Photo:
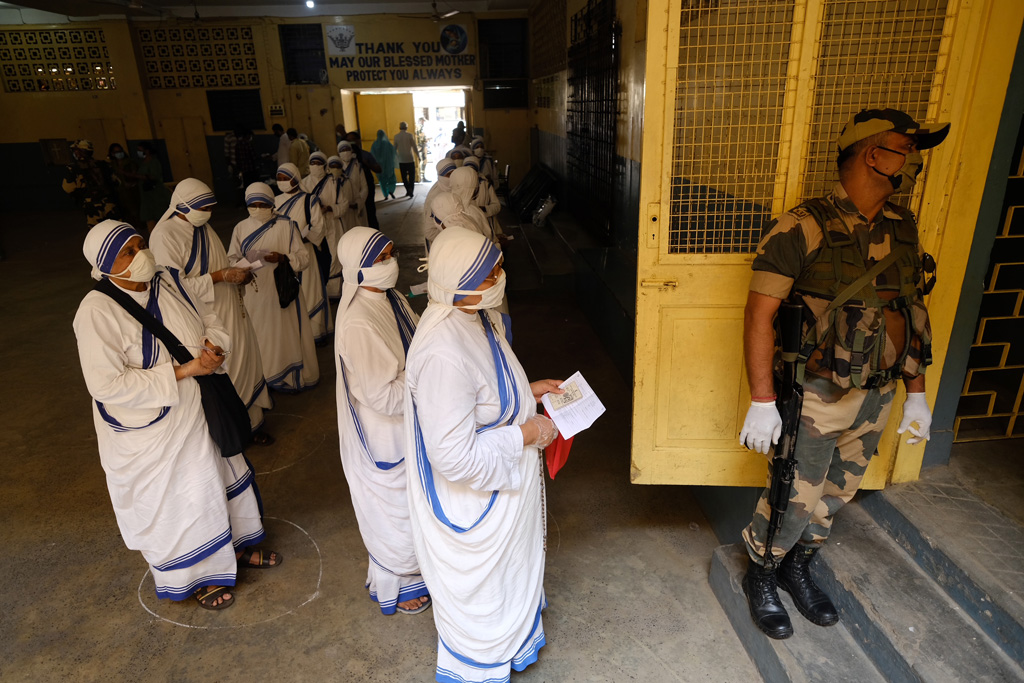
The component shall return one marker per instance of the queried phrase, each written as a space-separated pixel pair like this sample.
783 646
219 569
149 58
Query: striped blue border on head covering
285 172
482 265
259 197
447 168
372 249
112 246
198 203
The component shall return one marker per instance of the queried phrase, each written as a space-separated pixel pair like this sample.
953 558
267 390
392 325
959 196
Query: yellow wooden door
743 103
187 151
383 112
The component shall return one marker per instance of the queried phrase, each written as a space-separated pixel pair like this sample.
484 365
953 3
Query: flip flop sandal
261 438
262 559
419 609
207 597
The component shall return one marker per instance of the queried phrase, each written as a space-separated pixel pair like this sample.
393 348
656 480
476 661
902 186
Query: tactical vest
851 336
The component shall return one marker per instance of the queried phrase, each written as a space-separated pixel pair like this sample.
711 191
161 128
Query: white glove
915 409
762 427
546 431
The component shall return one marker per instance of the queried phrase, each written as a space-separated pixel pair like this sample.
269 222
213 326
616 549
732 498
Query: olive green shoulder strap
867 277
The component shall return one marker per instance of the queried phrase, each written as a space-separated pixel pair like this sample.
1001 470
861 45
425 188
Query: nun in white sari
374 329
476 484
322 187
186 508
445 167
465 183
285 336
300 207
185 244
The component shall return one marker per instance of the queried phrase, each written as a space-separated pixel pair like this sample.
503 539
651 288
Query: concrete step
971 549
905 622
813 655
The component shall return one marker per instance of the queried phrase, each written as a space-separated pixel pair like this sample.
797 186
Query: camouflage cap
868 122
83 145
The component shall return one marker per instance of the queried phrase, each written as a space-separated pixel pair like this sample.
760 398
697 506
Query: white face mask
141 269
478 152
198 218
336 172
262 215
287 186
458 162
346 155
317 171
383 275
489 298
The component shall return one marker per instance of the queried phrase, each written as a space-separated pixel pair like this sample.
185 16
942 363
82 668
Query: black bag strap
147 319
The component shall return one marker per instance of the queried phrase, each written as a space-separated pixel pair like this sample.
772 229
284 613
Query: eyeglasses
385 256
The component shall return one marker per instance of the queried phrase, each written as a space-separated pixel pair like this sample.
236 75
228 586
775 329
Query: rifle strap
866 278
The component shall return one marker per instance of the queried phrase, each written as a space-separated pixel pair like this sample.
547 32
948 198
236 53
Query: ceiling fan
435 16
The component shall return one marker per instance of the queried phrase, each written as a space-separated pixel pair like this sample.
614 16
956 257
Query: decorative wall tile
50 60
200 57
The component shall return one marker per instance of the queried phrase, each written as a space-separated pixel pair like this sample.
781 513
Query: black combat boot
765 607
795 579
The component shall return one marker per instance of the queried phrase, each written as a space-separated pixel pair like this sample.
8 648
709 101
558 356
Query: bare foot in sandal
415 605
214 597
255 558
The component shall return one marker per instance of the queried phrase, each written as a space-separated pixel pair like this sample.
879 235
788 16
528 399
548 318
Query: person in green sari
154 195
384 152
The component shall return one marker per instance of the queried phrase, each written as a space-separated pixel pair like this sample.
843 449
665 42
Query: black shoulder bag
226 415
287 283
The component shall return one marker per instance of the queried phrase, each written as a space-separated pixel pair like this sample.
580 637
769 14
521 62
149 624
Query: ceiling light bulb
309 4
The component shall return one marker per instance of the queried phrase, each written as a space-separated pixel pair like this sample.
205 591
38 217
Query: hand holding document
576 409
245 264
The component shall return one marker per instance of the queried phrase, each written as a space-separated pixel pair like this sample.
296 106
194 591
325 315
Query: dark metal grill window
503 63
302 46
591 113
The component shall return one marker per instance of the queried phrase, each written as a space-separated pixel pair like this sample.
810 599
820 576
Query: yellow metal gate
743 102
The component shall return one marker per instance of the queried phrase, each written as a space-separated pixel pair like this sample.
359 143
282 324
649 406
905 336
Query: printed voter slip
576 409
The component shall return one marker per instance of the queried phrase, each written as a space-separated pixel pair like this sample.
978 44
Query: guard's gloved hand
762 427
915 409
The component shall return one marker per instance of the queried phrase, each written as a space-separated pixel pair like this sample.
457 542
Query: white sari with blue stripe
285 336
192 254
370 342
475 496
313 231
175 498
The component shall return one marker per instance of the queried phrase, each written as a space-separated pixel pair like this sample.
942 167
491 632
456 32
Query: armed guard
853 261
91 184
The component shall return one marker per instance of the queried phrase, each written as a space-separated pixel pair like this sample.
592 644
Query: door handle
659 283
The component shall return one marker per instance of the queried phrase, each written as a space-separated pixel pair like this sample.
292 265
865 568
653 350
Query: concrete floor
627 566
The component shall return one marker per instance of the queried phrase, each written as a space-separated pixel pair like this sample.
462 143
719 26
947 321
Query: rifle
790 402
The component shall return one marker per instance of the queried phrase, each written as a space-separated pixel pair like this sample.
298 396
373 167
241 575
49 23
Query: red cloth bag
557 453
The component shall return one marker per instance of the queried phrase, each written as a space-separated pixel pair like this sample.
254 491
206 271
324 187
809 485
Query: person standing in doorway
369 167
405 148
283 144
852 259
384 153
421 145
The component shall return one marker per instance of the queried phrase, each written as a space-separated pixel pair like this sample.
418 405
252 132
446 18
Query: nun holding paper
474 443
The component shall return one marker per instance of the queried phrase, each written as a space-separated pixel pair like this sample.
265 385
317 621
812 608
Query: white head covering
318 155
444 166
464 182
476 142
103 243
292 171
259 192
190 193
472 162
445 206
460 149
343 145
459 259
334 161
358 248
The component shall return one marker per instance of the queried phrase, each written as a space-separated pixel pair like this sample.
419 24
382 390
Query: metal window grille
874 54
733 57
592 109
302 47
547 38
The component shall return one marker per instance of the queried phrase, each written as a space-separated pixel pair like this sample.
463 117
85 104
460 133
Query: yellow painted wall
383 112
28 117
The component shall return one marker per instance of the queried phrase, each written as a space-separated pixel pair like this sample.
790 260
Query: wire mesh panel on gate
733 57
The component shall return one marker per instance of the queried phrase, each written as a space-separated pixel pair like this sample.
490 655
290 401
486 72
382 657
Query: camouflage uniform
91 185
844 412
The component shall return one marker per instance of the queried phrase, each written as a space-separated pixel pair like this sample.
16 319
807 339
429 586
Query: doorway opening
431 114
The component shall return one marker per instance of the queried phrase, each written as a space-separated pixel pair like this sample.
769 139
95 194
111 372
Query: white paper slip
576 409
253 265
416 290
